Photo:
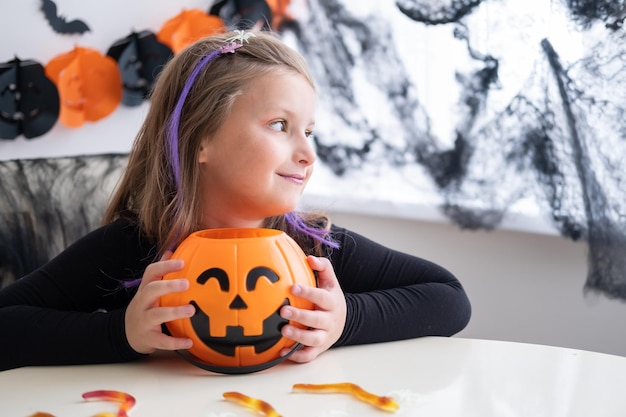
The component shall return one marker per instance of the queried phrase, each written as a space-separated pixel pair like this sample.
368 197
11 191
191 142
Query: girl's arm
71 310
391 295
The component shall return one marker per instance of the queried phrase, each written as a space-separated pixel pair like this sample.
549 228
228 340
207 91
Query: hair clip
230 48
236 41
241 36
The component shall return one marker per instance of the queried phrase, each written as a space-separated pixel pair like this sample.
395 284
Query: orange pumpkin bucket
239 280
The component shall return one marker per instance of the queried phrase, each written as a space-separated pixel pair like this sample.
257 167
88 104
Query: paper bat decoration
58 23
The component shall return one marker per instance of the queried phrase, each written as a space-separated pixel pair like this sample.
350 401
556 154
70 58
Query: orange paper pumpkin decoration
280 12
89 84
187 27
239 280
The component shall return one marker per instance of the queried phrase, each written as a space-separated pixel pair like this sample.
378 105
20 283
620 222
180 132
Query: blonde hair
147 192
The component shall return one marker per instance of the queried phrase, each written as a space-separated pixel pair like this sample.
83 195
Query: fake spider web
559 139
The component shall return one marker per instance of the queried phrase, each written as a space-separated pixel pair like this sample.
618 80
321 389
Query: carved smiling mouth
234 334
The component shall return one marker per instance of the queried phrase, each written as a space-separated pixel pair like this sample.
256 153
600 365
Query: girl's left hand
325 322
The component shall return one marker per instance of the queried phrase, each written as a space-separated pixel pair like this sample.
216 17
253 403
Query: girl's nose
305 153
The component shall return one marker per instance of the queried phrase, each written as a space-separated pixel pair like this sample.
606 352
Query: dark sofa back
46 204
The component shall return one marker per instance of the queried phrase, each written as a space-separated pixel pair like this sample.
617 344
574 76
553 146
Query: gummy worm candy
253 403
384 403
126 401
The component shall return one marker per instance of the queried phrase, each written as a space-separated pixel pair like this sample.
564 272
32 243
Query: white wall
524 287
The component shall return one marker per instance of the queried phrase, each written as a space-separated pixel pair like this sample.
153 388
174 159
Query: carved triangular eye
217 273
258 272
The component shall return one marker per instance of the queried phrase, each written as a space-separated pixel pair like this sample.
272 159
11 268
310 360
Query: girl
226 143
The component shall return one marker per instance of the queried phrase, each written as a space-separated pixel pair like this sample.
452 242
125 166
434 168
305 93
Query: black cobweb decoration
587 12
592 124
437 12
560 140
47 204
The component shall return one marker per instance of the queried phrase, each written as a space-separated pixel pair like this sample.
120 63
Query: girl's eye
279 126
308 133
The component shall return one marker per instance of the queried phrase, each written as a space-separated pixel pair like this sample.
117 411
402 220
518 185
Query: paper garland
88 85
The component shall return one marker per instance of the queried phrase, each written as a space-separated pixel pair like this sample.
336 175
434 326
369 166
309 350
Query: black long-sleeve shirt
71 310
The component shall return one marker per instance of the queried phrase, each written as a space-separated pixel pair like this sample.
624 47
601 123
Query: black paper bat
58 23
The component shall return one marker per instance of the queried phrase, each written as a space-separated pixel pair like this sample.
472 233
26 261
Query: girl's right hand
144 316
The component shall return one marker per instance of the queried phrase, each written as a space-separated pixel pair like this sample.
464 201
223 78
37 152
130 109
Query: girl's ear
203 154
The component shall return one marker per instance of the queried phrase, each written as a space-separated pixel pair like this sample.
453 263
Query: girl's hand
144 316
325 322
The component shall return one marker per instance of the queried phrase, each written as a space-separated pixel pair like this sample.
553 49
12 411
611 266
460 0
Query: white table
431 377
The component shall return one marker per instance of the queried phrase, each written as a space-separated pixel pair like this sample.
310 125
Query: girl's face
259 161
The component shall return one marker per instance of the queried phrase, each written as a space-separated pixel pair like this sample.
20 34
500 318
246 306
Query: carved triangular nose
238 303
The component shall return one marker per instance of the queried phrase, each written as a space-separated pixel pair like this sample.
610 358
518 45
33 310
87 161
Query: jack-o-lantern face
239 281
